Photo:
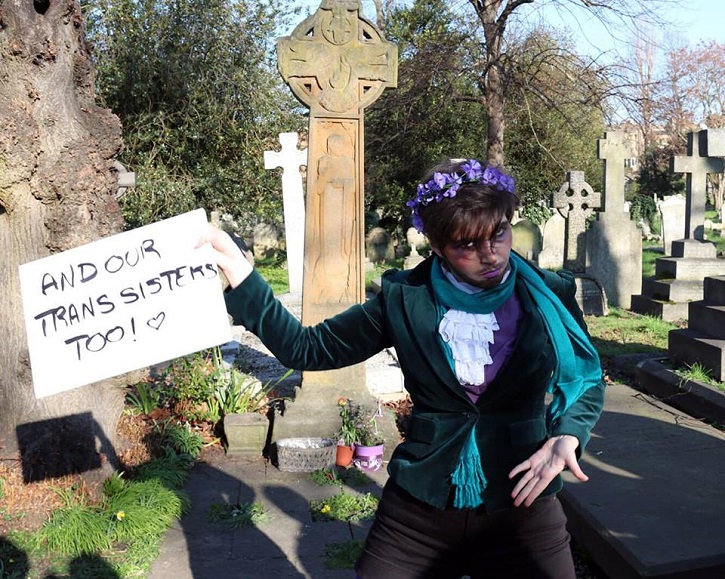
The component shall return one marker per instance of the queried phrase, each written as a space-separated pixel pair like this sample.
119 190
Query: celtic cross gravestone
336 63
576 200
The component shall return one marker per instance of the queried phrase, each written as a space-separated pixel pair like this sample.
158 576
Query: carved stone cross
336 63
696 169
290 158
576 201
613 150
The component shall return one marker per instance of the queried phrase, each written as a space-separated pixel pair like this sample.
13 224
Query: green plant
243 393
239 515
144 397
343 555
180 438
137 510
358 425
190 381
325 476
76 529
695 372
344 507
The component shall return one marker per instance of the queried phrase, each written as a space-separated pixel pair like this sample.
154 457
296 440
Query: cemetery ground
73 527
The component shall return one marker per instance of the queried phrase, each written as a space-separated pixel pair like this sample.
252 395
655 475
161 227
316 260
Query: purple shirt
508 317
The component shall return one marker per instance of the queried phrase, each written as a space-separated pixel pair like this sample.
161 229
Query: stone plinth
682 274
703 342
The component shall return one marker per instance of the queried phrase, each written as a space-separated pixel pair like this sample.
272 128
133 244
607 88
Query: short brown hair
475 211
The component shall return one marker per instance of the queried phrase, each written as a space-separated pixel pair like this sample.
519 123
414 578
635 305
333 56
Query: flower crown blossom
444 185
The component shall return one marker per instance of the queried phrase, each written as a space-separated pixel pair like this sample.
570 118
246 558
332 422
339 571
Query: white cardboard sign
122 303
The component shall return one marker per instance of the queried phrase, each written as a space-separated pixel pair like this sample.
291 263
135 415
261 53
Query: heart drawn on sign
156 321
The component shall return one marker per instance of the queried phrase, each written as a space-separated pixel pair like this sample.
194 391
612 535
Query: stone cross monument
696 169
290 158
614 243
576 200
336 62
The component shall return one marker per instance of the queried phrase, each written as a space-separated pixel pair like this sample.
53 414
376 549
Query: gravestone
290 159
679 277
266 241
379 245
576 201
672 212
336 63
527 239
696 169
551 255
613 240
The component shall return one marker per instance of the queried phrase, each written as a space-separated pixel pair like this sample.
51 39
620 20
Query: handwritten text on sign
121 303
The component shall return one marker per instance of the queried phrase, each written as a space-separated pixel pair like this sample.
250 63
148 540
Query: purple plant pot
368 458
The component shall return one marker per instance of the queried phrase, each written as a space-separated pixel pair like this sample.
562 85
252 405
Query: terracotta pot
369 458
344 455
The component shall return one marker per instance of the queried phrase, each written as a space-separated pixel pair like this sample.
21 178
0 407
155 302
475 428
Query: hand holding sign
122 303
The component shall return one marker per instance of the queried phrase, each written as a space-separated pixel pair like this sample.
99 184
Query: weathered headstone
576 200
614 242
336 62
290 159
266 241
672 212
527 239
379 245
551 255
696 169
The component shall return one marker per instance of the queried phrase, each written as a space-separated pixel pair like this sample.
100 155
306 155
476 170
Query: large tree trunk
56 192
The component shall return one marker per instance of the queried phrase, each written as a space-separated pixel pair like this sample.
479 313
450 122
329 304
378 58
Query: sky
692 20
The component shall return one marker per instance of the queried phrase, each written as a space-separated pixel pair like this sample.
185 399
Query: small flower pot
343 457
368 458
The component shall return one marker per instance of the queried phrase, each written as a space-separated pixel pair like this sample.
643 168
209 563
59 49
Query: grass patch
344 507
623 332
650 252
276 276
239 515
343 555
339 475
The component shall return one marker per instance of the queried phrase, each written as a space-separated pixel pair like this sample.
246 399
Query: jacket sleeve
345 339
583 414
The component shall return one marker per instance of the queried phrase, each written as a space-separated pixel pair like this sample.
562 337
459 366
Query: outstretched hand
542 467
229 257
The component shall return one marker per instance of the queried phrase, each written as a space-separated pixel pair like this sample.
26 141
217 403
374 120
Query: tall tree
56 192
195 86
496 15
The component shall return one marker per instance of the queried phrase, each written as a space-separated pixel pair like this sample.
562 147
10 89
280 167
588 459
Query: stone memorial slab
613 240
672 212
551 255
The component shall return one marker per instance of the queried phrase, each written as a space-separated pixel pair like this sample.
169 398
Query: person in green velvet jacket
505 383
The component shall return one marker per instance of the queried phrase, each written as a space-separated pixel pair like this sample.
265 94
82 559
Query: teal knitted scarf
577 363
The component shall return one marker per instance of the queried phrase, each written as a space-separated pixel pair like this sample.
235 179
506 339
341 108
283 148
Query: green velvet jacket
509 416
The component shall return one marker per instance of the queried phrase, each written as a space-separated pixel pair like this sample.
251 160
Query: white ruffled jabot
469 336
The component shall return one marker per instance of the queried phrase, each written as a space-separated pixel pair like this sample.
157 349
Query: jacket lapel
422 318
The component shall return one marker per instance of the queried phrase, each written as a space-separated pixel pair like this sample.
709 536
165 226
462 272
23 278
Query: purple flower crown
444 185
